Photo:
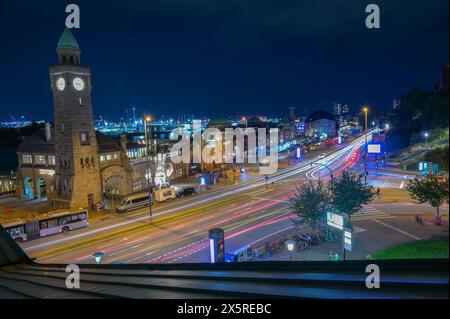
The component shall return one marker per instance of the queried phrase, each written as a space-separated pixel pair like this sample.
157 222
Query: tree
429 189
349 194
440 156
311 201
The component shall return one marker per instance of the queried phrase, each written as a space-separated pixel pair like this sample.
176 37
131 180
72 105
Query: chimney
48 132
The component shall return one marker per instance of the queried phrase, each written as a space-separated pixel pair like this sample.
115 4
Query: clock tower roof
67 41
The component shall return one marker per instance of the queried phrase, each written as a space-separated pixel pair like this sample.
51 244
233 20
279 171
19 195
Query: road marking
136 258
396 229
272 200
206 218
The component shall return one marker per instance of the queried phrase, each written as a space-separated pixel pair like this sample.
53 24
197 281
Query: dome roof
219 121
67 41
255 122
319 115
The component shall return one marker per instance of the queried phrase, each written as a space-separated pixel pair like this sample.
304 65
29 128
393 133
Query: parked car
189 191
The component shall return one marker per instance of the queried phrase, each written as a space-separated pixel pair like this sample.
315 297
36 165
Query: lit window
27 159
39 159
102 158
51 160
116 156
84 137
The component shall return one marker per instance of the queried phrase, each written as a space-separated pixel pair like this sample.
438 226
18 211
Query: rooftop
67 41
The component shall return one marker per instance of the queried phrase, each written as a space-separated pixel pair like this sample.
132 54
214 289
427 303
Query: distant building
340 109
321 123
396 103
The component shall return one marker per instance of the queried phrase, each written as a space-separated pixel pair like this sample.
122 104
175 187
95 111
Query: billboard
374 148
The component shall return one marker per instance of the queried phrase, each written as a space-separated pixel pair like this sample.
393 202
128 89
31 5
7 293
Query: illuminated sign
335 220
48 172
348 239
299 152
374 148
217 245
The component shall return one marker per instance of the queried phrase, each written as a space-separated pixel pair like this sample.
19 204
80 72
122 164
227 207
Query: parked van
164 194
133 202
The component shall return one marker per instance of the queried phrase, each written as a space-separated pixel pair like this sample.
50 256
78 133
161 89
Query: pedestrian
378 192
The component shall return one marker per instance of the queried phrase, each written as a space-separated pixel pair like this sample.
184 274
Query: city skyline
205 64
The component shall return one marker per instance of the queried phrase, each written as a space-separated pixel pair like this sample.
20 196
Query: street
249 213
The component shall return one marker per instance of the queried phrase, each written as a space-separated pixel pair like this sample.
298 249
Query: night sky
213 57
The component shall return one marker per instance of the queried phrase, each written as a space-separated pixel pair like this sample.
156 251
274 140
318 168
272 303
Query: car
187 192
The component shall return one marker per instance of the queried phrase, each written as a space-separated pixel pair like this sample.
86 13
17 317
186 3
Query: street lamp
148 119
98 257
290 245
244 119
366 110
427 135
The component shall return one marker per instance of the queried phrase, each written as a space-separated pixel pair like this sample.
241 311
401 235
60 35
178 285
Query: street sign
348 239
335 220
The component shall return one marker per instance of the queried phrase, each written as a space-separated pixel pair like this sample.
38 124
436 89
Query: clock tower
77 175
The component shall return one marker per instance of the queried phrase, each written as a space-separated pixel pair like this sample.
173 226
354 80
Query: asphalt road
248 212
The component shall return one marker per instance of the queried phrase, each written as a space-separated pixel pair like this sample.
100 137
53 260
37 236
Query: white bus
51 224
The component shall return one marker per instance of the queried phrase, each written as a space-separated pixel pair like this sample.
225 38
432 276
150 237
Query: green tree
429 189
311 201
349 194
440 156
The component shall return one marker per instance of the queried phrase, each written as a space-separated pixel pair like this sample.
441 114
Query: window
81 101
71 60
51 160
39 159
102 158
27 159
108 157
84 137
16 231
116 156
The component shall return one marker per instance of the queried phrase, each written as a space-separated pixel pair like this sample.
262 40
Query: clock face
60 84
78 84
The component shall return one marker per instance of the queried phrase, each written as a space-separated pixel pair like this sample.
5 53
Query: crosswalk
369 212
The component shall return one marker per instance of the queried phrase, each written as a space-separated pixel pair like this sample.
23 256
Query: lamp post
148 119
427 135
290 245
366 110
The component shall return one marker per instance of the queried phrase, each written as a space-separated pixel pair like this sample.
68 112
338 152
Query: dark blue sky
225 56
